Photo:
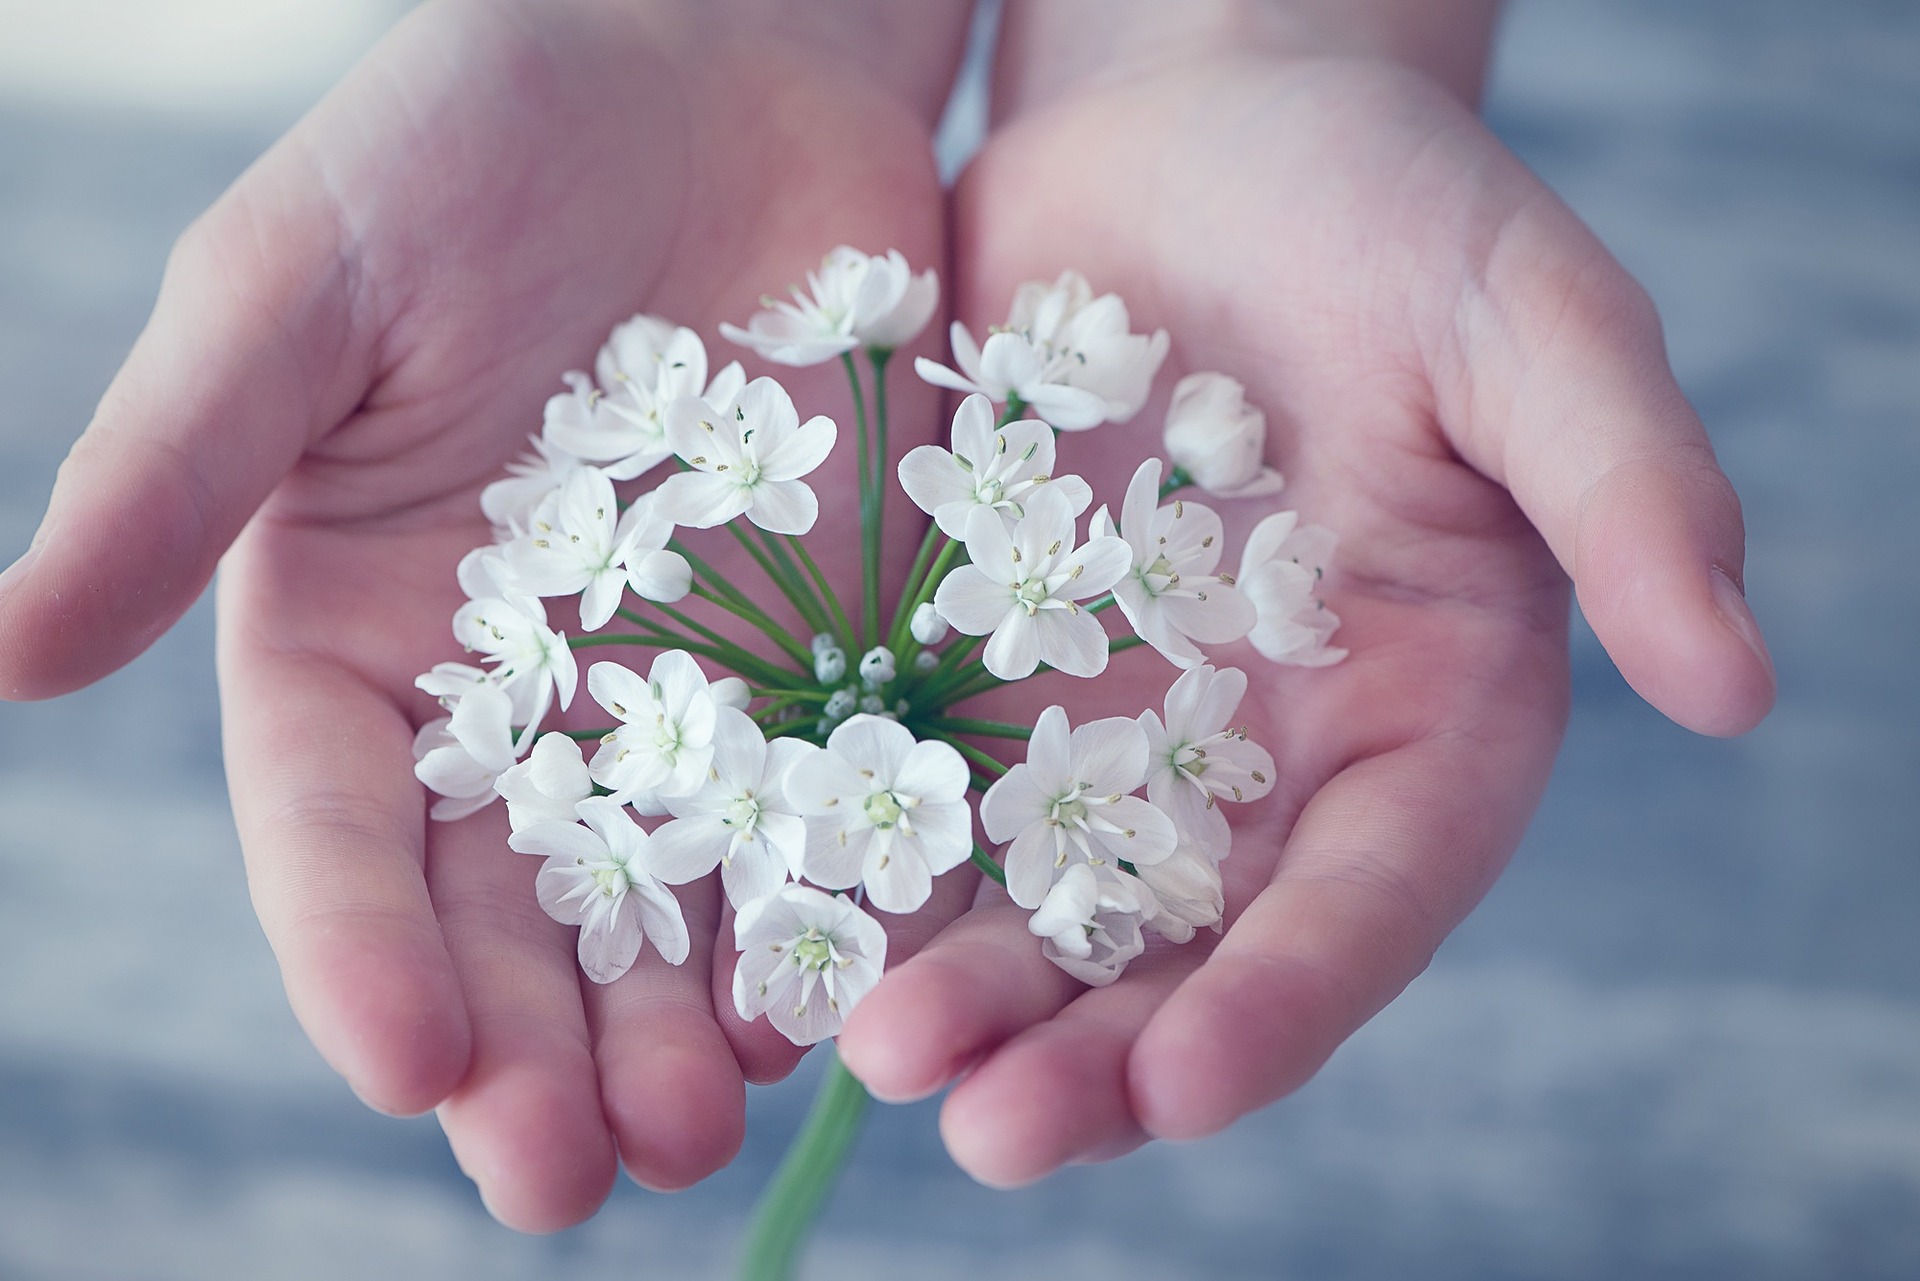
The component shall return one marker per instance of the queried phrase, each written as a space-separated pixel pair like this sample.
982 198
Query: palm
1330 235
479 222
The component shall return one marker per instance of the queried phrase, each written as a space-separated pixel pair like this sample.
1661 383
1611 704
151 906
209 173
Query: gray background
1681 1038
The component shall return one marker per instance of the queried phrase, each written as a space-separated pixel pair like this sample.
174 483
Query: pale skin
353 341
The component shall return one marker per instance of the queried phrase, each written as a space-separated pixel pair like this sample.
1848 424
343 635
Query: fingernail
1732 604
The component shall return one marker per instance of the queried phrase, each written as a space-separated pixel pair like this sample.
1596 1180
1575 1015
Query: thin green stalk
650 642
1015 408
877 357
1102 605
805 1178
719 582
826 590
791 695
984 861
750 613
790 585
869 521
1176 480
922 592
587 735
910 592
743 661
973 725
978 757
1125 643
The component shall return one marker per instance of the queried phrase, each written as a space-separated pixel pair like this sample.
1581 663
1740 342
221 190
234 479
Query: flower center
1032 593
743 812
813 951
884 810
612 880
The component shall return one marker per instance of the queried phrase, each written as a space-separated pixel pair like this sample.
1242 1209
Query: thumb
1563 394
248 357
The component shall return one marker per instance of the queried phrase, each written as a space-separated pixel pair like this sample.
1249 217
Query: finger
526 1124
1557 385
669 1084
982 980
1058 1092
250 353
319 766
1383 862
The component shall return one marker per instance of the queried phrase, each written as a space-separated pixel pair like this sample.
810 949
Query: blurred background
1680 1039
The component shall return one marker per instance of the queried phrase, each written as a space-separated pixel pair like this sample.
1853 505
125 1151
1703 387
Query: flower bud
829 664
873 704
840 705
1217 438
729 691
927 626
877 666
823 641
925 661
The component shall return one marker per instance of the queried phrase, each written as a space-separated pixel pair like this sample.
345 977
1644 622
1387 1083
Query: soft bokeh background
1681 1039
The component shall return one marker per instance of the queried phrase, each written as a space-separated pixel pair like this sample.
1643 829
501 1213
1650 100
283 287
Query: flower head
580 542
1280 572
1198 759
882 810
646 365
599 878
1090 922
1022 589
806 959
986 467
745 460
546 786
665 741
853 300
460 756
531 661
1069 802
1170 593
739 818
1217 438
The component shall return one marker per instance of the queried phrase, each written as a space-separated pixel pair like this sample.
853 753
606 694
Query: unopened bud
829 664
877 666
729 691
927 626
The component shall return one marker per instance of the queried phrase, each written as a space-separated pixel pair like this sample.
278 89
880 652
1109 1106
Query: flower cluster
833 776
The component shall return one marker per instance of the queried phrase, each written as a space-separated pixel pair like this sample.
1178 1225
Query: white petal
1073 643
1015 650
783 507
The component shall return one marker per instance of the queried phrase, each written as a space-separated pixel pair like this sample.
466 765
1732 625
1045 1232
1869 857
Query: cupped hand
1468 389
346 348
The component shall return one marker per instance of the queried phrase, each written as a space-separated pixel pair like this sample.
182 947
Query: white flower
460 756
1068 802
806 959
854 300
1217 438
1280 572
731 691
747 460
882 810
739 818
1069 355
646 365
1198 758
532 662
926 626
1188 893
532 477
580 542
665 743
1092 338
1013 365
1022 589
599 878
546 786
1090 921
1170 593
985 468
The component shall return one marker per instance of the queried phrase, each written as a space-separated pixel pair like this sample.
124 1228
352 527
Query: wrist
1052 47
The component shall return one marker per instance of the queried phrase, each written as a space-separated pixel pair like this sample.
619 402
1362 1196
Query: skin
361 333
1463 384
346 348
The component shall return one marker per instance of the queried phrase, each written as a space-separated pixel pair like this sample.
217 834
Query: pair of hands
360 333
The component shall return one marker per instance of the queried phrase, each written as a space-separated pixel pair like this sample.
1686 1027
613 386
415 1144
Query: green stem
869 518
748 612
743 661
1015 408
801 1185
973 725
790 584
1176 480
984 861
877 357
1125 643
974 754
587 735
848 636
1104 604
